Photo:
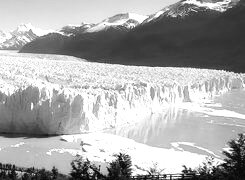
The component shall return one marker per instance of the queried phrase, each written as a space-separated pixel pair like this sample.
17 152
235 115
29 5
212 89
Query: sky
54 14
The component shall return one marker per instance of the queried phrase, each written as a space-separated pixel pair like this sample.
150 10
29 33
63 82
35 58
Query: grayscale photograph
122 89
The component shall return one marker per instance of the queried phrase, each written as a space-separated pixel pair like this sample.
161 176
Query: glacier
47 95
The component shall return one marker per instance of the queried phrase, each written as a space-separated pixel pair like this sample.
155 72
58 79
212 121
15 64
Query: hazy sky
53 14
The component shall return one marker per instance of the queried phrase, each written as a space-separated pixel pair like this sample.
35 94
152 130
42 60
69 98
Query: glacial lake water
200 128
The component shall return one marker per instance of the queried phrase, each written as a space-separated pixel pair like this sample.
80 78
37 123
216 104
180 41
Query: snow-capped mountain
72 29
190 33
18 40
4 36
23 34
187 7
120 21
27 27
128 21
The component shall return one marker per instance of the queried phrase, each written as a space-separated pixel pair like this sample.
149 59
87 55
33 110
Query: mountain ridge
206 38
23 34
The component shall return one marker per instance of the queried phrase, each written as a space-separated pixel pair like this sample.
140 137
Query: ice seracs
46 96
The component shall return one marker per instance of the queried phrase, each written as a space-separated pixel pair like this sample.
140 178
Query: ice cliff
66 96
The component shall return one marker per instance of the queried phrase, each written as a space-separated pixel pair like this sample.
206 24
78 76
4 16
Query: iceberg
67 96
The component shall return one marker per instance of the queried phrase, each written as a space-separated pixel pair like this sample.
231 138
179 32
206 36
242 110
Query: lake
200 128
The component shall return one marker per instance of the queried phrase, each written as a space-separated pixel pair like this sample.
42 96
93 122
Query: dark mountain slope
204 39
48 44
92 46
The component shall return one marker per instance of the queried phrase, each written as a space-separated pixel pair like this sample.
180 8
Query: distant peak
24 27
186 7
126 20
126 16
217 5
78 25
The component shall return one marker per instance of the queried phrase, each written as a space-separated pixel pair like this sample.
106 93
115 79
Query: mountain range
26 33
22 35
189 33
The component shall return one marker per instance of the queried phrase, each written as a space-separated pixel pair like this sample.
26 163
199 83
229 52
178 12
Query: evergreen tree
120 168
55 172
155 170
234 165
84 170
13 174
26 176
44 175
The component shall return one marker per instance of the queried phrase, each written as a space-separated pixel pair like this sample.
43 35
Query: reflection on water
207 127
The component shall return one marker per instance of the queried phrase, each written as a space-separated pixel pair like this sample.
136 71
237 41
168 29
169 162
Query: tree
234 165
13 174
209 170
84 170
120 168
30 173
55 172
155 170
44 175
26 176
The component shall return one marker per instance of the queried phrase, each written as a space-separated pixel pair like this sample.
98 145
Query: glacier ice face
47 96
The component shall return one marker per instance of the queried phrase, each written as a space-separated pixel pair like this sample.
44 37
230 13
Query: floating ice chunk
177 144
17 145
210 111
